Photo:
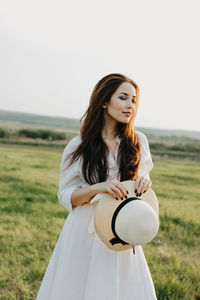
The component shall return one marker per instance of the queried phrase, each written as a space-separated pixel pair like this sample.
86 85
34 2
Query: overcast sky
52 53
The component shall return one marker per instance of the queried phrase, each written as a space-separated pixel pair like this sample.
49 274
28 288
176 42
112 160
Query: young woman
107 152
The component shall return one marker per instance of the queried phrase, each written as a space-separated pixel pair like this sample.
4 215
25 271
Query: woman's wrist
83 195
93 189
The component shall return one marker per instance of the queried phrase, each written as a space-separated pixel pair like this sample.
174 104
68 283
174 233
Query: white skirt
83 268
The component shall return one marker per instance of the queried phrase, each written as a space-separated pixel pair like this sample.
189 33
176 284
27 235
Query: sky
52 53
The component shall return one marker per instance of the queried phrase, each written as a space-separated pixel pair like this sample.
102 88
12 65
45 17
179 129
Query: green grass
173 256
32 219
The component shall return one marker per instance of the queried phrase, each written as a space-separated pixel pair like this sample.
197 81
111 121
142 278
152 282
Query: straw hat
123 224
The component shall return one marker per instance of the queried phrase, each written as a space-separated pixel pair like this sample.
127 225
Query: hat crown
136 223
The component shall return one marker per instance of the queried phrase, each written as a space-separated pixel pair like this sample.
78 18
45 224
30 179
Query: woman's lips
127 114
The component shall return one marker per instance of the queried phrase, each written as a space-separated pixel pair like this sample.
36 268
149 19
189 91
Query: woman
107 152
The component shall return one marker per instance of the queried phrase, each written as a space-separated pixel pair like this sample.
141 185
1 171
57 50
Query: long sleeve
69 179
146 163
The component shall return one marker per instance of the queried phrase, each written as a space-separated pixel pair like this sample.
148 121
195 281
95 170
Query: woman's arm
84 195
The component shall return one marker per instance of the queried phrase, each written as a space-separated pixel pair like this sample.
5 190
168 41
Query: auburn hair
92 148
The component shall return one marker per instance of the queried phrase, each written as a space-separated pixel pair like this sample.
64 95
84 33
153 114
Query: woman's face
121 106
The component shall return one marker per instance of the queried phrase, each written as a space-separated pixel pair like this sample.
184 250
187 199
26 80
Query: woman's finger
121 187
117 191
136 184
110 191
140 186
145 186
124 189
148 186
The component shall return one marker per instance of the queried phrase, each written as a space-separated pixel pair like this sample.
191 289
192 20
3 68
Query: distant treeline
45 134
175 148
182 147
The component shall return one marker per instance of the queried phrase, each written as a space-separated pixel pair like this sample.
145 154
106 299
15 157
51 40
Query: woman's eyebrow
127 94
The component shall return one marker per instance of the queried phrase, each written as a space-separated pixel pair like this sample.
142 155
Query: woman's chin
124 121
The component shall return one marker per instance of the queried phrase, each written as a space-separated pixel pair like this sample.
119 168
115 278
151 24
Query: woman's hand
141 185
113 187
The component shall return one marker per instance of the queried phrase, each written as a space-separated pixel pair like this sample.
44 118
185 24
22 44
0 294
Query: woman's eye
122 98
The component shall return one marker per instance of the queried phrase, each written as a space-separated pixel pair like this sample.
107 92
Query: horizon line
77 119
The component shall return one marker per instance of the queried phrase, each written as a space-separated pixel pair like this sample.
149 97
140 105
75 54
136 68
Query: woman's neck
108 133
109 130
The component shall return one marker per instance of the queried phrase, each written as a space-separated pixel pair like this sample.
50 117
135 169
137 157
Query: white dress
81 266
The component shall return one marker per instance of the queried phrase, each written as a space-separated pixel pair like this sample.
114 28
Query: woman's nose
130 104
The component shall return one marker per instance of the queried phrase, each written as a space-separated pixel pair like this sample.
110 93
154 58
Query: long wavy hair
92 148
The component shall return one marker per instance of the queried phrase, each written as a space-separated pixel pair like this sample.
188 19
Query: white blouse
72 178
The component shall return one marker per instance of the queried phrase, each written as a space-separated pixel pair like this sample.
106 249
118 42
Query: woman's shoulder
146 163
143 141
142 137
145 150
73 144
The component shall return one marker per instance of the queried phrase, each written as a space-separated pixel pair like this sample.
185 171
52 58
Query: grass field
32 219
